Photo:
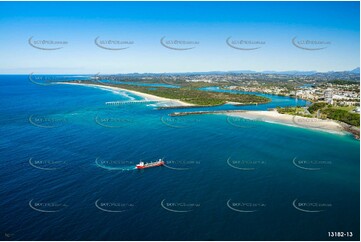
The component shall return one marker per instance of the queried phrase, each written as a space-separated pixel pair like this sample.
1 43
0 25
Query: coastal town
128 121
330 100
339 89
334 93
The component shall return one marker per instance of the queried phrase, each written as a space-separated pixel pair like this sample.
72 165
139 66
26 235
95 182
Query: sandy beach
286 119
265 116
147 97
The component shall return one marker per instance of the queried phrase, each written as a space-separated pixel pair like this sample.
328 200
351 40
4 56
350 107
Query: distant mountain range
355 71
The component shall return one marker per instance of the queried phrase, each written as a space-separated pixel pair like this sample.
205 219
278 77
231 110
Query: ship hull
140 167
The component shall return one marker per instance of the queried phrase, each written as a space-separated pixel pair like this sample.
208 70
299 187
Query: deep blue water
67 171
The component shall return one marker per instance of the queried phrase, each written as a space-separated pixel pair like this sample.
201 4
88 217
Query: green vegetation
293 111
343 116
192 95
197 97
344 82
316 106
346 108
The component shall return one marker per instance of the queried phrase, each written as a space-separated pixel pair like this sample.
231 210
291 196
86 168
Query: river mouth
275 100
78 166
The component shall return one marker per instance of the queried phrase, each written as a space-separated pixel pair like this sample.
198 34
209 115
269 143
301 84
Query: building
328 95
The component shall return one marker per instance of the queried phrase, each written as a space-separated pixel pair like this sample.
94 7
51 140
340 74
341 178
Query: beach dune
265 116
291 120
148 97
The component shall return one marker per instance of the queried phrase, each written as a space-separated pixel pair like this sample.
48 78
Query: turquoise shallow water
67 171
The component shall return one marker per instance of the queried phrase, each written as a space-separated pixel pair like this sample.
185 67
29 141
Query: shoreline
147 97
329 126
273 116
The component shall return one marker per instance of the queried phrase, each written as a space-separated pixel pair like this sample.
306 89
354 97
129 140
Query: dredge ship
143 165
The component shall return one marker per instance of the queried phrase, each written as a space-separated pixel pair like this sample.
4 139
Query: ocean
67 171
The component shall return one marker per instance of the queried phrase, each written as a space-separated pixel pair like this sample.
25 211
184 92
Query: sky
277 36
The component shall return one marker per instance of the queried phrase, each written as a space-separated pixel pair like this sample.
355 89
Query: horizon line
186 72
